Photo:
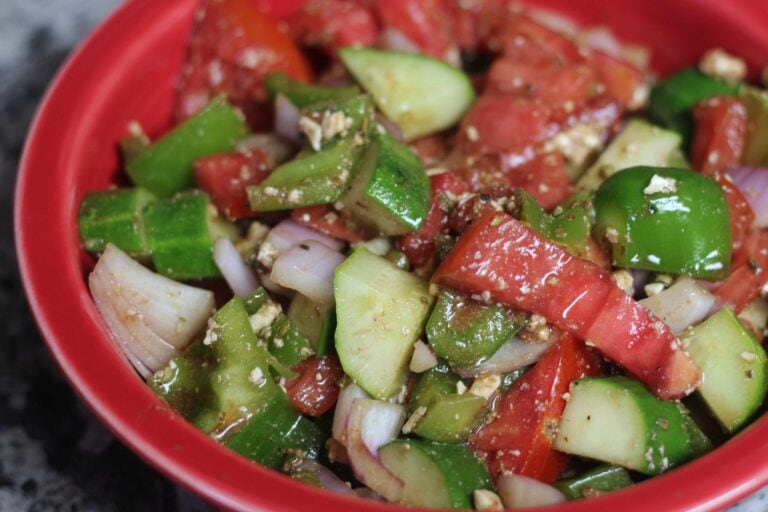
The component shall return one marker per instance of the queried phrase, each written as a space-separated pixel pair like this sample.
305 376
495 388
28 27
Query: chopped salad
475 256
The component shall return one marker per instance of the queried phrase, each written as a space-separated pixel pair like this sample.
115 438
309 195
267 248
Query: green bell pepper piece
115 217
569 224
166 167
302 94
466 332
665 220
181 232
317 323
594 482
673 98
451 418
431 386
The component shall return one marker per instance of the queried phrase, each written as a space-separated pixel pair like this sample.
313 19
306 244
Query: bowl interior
127 71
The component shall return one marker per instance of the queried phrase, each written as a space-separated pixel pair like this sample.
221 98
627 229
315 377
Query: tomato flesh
315 390
718 142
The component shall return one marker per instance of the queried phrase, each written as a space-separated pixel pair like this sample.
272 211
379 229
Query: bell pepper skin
115 216
167 166
505 260
569 226
595 482
666 220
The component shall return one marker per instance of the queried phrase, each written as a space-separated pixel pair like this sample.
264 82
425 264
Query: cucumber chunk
451 418
755 147
302 94
390 192
380 313
618 421
639 143
734 367
421 94
594 482
436 475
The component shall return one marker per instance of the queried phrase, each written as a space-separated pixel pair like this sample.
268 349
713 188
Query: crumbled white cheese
313 131
267 254
334 123
720 64
461 388
414 419
486 500
653 289
660 185
612 235
262 320
624 281
472 133
211 336
577 142
256 376
486 385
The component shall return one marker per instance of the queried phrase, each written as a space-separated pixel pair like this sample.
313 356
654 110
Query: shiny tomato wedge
333 24
525 39
423 22
315 390
225 177
521 436
721 124
749 275
622 81
502 257
325 219
234 45
741 212
419 246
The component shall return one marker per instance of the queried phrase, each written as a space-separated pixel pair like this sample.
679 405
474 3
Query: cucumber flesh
639 143
733 365
420 94
436 475
618 421
380 313
451 418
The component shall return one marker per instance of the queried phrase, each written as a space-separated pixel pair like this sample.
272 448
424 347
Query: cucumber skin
404 295
601 478
462 471
667 443
715 335
411 81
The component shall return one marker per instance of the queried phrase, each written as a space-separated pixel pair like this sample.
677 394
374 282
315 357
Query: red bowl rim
188 456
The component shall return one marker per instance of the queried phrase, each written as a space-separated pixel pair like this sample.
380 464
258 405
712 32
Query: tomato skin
741 212
234 45
333 24
718 142
521 436
225 177
419 246
749 275
315 390
325 219
622 81
503 257
423 22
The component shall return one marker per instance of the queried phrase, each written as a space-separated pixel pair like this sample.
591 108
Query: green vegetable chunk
115 217
380 313
302 94
451 418
421 94
618 421
755 147
431 386
466 332
569 225
390 192
673 98
436 475
595 482
166 167
666 220
181 232
734 367
316 322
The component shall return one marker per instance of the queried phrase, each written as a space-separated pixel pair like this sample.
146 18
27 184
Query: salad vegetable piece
476 260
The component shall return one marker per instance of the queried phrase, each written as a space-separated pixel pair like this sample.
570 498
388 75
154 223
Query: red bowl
127 70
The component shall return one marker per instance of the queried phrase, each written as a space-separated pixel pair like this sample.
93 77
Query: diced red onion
343 407
277 147
308 268
237 274
753 183
287 119
392 39
512 355
639 278
327 478
423 359
149 317
373 423
681 305
517 491
288 233
392 128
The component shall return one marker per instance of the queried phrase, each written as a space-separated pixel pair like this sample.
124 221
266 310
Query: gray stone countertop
54 455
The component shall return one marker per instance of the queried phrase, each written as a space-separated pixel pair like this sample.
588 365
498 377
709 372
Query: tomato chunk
225 177
234 45
521 436
741 212
333 24
750 273
502 257
718 142
325 219
315 390
622 81
424 23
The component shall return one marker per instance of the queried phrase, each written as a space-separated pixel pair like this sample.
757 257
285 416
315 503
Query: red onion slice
512 355
287 119
288 233
517 491
343 407
277 147
237 274
373 423
392 128
681 305
753 183
308 268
